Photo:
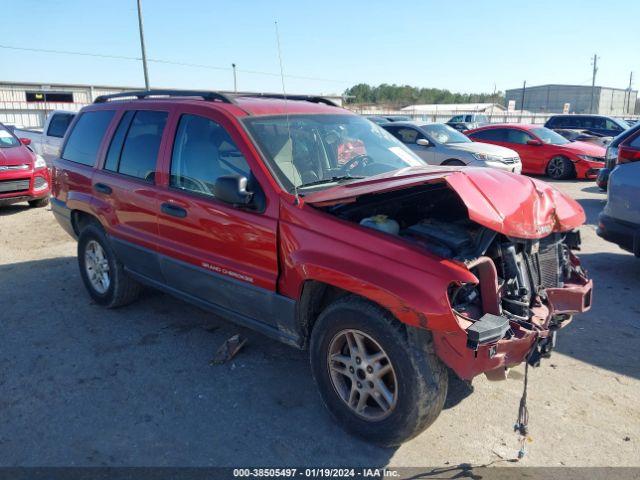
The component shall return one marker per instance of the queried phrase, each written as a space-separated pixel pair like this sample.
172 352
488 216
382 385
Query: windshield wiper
335 179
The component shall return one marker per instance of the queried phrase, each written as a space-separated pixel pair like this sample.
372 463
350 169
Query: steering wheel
359 161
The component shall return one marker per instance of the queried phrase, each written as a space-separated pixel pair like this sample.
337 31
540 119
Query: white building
26 104
453 108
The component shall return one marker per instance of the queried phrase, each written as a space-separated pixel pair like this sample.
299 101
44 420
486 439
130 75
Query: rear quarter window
86 136
59 124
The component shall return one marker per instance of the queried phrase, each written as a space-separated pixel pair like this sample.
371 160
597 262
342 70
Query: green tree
403 95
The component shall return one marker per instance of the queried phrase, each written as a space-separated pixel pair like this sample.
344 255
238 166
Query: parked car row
439 144
321 229
619 222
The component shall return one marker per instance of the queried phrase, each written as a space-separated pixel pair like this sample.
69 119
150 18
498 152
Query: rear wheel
560 168
39 203
379 381
102 273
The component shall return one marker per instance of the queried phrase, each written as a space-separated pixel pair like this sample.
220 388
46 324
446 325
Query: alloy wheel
362 375
556 167
97 267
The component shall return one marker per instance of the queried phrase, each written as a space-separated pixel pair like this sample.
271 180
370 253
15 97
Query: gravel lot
80 385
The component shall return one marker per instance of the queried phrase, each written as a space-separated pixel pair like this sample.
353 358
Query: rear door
125 190
222 255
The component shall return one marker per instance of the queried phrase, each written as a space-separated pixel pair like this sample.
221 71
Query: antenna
284 94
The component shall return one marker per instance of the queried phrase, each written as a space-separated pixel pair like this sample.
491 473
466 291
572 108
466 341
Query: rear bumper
624 234
62 214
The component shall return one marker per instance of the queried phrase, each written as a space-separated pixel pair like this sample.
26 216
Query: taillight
627 155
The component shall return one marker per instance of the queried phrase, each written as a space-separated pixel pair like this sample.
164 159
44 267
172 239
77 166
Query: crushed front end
527 290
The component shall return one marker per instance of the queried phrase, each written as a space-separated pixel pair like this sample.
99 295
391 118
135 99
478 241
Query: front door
219 254
409 136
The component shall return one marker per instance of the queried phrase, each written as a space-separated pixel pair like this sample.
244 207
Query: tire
39 203
454 163
560 168
420 386
120 289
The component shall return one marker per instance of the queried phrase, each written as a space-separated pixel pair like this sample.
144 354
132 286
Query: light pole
144 52
235 79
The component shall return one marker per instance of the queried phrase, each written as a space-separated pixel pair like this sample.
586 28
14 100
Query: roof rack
306 98
141 94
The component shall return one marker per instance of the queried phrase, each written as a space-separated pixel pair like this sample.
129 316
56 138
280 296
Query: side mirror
25 141
535 143
232 189
423 142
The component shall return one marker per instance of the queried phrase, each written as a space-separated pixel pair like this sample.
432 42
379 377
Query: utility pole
593 82
144 51
629 92
524 88
235 79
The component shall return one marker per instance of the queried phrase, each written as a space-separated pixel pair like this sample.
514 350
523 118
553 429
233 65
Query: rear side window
86 136
492 135
136 143
635 143
203 151
59 124
518 136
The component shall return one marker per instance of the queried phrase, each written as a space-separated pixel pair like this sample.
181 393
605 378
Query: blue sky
464 46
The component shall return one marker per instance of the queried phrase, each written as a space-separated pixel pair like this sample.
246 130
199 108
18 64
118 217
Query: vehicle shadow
608 335
13 209
87 386
592 208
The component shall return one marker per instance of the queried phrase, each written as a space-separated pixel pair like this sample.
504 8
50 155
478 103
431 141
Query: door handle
102 188
173 210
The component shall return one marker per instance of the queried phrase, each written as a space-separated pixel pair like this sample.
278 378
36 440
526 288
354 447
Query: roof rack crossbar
307 98
141 94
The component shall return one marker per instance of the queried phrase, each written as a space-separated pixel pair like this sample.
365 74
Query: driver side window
203 151
518 136
408 135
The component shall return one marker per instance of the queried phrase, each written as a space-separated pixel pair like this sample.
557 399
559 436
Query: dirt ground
80 385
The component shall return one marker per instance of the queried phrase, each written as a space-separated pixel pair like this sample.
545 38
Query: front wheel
374 376
39 203
560 168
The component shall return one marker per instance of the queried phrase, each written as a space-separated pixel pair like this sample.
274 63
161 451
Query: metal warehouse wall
551 99
15 110
613 101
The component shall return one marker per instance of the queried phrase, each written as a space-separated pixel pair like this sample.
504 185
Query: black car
612 155
599 124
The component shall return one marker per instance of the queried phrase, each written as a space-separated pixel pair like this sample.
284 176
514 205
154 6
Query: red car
389 271
24 176
543 151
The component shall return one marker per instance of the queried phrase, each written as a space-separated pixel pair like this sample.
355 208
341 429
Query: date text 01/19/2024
316 472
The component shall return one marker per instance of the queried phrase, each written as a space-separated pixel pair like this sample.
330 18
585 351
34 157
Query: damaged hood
514 205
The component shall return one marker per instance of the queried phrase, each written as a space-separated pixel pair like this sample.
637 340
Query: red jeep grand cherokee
316 227
24 176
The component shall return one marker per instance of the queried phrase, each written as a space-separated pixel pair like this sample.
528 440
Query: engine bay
435 218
